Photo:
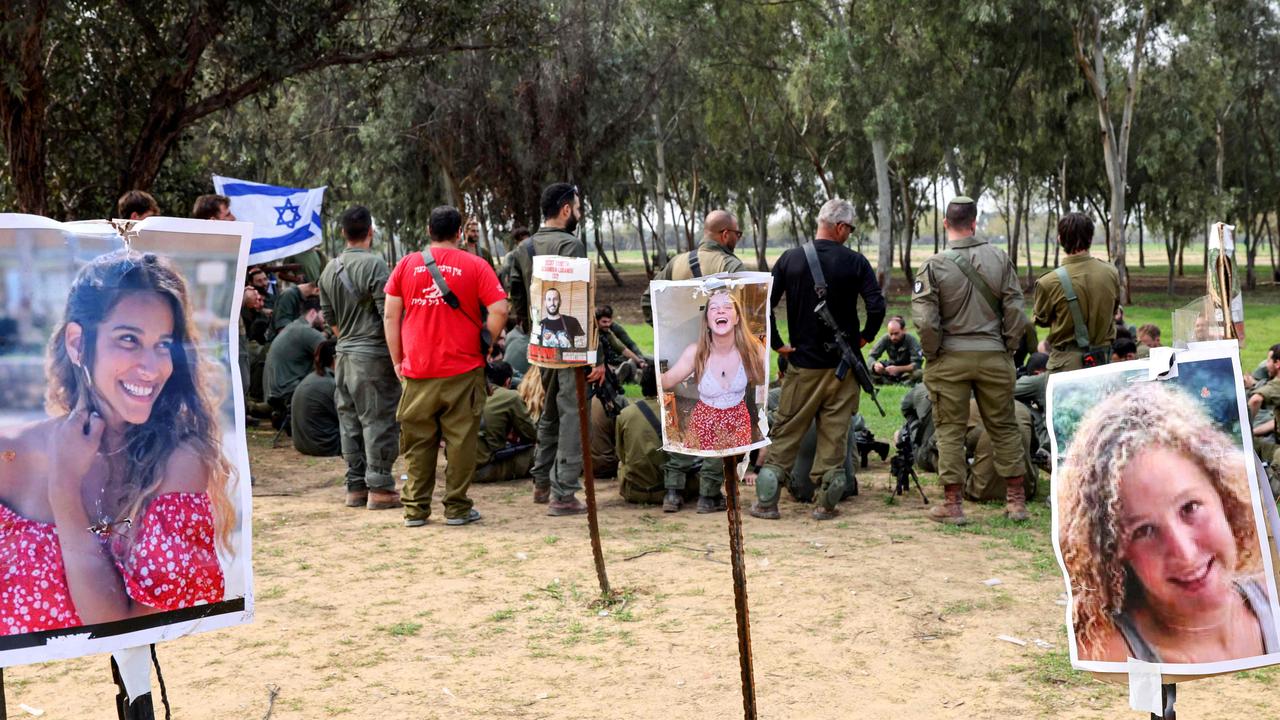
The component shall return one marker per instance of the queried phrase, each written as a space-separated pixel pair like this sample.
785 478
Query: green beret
961 200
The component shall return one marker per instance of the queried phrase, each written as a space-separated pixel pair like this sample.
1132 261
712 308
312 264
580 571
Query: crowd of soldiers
976 371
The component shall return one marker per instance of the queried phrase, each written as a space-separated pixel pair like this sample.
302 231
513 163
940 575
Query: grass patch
403 629
502 615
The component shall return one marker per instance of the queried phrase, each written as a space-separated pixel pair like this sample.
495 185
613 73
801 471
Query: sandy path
879 614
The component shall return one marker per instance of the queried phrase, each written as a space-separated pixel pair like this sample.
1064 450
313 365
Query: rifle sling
648 415
1077 316
815 269
979 283
695 265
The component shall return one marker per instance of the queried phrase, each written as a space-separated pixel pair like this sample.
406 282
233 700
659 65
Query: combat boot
673 501
951 511
711 504
1015 503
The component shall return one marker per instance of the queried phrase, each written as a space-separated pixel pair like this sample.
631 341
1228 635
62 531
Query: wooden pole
1168 696
740 587
589 481
140 709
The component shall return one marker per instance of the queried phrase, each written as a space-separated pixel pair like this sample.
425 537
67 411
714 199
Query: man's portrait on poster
556 330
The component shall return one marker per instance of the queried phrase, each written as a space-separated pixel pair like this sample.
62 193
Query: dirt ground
879 614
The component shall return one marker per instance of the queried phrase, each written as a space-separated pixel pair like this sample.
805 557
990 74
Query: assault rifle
849 358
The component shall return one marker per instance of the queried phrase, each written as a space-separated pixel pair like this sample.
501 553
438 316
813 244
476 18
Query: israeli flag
285 220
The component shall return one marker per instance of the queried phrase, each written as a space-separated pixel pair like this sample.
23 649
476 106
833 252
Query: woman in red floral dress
724 362
118 504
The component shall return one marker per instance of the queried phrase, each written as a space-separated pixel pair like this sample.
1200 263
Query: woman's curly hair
1110 436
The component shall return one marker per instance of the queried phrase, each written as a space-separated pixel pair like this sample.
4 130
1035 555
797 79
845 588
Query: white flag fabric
285 220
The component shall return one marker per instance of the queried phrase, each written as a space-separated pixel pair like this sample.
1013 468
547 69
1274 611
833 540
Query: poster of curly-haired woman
711 339
1159 521
124 478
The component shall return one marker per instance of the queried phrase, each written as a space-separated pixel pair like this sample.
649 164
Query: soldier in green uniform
1030 390
292 356
289 304
720 236
905 361
314 416
825 271
638 438
1094 283
967 306
1264 400
557 467
472 244
507 433
368 391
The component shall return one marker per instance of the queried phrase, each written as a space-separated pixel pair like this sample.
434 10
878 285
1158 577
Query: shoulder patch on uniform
921 286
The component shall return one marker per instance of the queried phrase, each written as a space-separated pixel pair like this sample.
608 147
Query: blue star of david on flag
286 221
287 207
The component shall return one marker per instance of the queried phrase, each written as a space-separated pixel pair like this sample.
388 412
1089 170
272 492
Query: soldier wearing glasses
812 389
720 235
557 467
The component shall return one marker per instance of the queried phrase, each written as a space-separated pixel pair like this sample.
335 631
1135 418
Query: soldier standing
822 271
368 391
967 306
557 467
1078 301
720 236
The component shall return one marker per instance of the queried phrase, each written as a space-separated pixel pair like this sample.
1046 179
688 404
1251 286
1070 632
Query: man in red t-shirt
435 348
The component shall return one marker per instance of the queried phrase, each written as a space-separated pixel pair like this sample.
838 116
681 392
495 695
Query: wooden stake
589 481
740 587
1168 696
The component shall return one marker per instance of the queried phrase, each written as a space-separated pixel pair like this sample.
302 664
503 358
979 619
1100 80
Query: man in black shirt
556 330
812 389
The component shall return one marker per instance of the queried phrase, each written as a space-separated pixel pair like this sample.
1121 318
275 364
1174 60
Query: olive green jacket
1097 285
712 258
950 315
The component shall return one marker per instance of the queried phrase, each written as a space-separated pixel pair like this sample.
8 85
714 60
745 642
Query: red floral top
173 564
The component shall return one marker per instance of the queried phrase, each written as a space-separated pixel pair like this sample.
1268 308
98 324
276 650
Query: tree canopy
1155 114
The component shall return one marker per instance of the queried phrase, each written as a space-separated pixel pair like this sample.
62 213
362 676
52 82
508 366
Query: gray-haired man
812 389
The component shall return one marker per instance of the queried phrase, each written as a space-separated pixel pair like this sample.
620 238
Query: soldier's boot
766 504
1015 503
541 494
951 511
672 501
711 504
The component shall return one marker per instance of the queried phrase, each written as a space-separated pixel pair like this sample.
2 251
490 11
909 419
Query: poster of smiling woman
124 483
711 340
1159 521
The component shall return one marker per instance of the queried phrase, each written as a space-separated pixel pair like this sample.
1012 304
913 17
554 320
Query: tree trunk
660 193
884 200
600 254
936 239
1048 223
908 224
24 99
1142 242
644 251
